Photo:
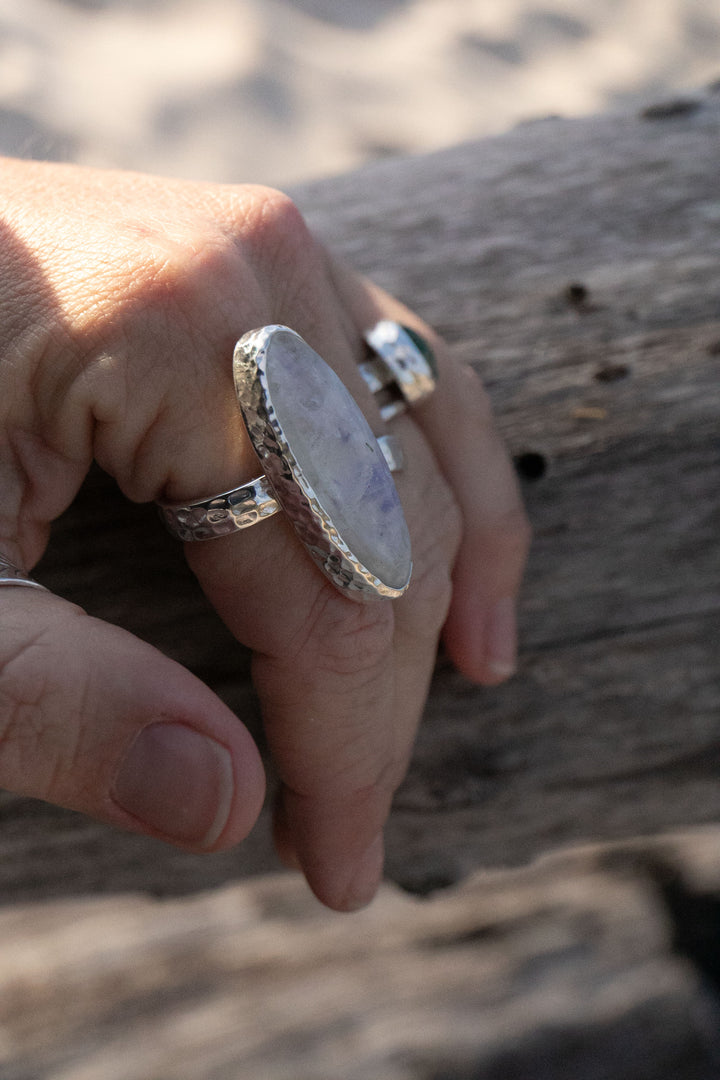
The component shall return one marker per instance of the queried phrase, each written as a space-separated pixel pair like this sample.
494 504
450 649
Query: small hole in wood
577 294
531 465
612 373
668 110
714 348
425 885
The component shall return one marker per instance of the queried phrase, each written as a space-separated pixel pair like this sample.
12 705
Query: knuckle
200 272
275 226
281 216
342 649
46 711
340 664
290 261
20 719
372 771
350 639
24 696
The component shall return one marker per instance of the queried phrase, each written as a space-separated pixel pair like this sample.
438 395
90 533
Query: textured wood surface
577 967
577 264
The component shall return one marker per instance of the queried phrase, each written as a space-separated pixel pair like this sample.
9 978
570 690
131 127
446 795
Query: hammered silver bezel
285 475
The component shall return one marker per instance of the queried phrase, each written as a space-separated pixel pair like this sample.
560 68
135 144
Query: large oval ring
322 465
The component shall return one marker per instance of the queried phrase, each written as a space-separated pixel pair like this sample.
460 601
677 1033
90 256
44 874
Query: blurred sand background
278 91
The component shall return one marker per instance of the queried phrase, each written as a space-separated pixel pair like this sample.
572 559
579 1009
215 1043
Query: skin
121 298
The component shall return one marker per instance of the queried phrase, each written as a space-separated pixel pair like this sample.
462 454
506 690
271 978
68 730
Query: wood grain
574 967
577 264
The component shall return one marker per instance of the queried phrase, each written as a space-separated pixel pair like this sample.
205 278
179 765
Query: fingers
342 684
481 629
97 721
323 669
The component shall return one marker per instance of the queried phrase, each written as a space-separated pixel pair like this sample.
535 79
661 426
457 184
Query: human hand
122 298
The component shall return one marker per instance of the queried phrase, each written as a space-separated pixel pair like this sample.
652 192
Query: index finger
323 670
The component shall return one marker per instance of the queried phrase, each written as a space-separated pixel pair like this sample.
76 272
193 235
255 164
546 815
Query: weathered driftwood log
577 968
577 264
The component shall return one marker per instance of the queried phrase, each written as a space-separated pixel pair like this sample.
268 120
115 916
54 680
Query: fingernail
178 782
501 638
366 876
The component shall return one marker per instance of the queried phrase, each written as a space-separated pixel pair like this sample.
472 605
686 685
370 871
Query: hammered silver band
244 506
14 575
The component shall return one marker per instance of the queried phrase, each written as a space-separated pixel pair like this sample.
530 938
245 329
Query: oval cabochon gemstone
339 457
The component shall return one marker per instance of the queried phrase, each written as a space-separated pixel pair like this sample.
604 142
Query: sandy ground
281 90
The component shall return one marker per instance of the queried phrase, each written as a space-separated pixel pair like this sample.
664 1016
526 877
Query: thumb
93 719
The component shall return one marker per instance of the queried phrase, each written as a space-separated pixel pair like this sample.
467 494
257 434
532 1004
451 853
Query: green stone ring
401 369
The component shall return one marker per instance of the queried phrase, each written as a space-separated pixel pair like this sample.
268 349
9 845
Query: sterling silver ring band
13 575
230 511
